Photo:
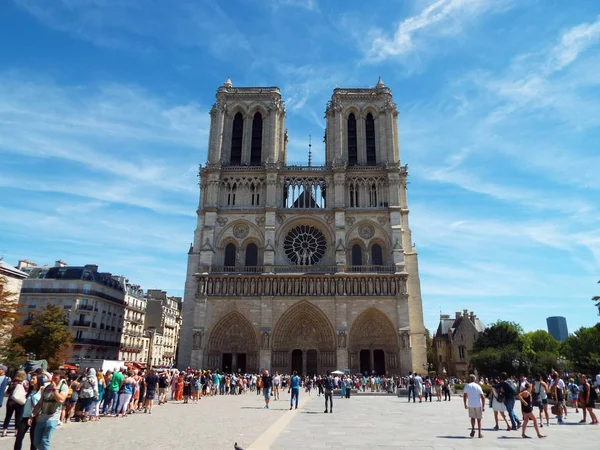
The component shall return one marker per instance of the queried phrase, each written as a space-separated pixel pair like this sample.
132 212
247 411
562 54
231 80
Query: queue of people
547 393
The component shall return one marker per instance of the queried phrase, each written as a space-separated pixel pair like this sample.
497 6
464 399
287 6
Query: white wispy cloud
572 43
442 17
310 5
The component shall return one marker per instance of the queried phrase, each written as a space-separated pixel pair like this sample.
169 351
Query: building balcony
81 323
96 342
85 307
136 321
133 333
92 293
291 269
168 354
170 325
136 308
380 284
131 348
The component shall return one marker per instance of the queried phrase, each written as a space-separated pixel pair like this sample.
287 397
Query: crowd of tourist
40 401
540 391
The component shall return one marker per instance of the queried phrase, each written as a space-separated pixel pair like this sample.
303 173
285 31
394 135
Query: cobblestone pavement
363 422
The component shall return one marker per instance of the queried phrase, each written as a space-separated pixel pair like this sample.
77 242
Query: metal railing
81 323
96 342
50 290
85 307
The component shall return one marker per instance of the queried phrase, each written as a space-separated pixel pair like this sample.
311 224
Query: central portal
312 363
297 361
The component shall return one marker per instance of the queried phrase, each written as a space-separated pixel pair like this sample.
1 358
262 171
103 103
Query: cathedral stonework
303 267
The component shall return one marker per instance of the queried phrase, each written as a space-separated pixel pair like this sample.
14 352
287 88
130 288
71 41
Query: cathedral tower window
231 194
251 255
352 141
370 135
356 255
230 252
237 134
255 195
376 255
256 148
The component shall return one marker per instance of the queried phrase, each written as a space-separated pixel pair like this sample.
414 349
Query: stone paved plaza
363 422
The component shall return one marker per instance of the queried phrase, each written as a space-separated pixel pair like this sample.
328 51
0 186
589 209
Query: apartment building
163 322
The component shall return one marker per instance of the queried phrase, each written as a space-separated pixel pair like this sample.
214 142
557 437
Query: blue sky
104 116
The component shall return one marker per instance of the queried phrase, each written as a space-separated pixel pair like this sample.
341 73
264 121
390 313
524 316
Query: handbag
19 395
556 410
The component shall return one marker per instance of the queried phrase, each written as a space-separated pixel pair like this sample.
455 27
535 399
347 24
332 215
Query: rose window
304 245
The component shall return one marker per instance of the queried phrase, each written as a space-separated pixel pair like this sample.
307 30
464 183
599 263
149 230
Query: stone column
372 360
246 140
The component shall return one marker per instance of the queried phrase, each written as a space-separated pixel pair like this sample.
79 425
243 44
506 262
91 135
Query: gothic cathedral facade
303 267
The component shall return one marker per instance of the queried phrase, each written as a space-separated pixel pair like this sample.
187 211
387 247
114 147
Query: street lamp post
516 364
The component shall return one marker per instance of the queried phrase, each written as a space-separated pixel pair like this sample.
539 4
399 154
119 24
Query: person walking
348 382
589 399
474 402
294 389
419 387
499 409
33 396
17 396
508 391
267 381
411 387
526 399
329 387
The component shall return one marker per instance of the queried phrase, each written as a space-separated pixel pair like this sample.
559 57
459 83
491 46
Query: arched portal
303 338
372 343
233 345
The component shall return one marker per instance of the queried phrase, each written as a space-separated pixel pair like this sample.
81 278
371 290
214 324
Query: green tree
48 336
541 350
497 347
430 351
582 349
500 334
9 315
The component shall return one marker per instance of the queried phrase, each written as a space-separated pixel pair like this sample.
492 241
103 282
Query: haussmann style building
303 267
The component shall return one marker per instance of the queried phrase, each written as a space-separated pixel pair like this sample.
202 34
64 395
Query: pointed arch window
251 255
256 147
356 255
370 135
376 255
352 141
230 252
237 134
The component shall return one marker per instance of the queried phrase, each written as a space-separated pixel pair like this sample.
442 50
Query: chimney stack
472 316
59 263
465 312
458 315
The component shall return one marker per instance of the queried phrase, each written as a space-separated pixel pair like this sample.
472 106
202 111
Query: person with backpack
294 389
329 387
507 392
88 392
411 387
17 395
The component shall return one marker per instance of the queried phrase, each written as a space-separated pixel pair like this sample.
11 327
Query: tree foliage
48 336
9 315
582 349
430 350
499 335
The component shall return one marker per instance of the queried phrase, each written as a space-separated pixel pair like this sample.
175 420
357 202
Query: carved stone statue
342 339
265 340
197 344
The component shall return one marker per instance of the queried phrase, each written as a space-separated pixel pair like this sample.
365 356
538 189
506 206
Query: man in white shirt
474 401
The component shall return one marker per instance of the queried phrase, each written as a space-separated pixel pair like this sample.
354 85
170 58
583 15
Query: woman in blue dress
343 383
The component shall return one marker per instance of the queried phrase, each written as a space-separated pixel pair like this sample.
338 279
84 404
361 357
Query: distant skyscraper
557 327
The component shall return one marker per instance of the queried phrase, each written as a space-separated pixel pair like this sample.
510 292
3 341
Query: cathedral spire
228 83
380 84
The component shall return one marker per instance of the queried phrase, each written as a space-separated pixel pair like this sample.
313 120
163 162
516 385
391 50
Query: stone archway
233 345
303 340
373 343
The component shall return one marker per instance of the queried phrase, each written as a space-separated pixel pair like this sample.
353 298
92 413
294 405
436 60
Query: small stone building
453 342
299 266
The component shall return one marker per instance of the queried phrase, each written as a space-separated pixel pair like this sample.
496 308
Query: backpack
411 381
329 385
593 393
